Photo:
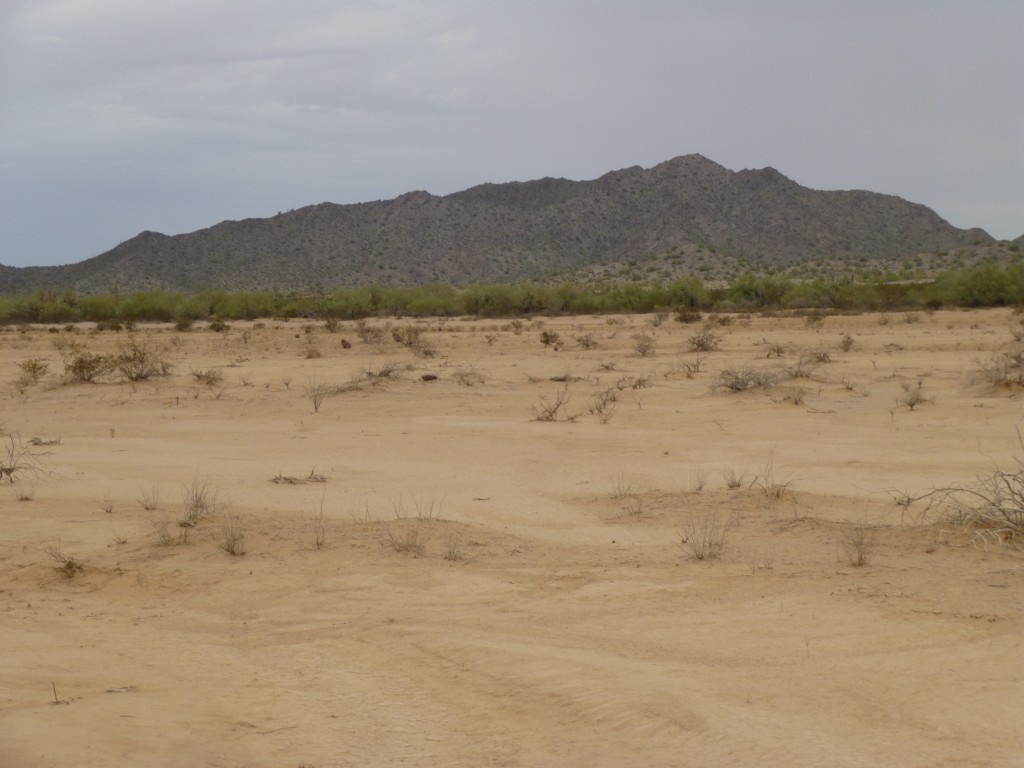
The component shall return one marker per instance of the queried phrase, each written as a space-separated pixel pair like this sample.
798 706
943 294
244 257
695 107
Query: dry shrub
231 536
857 543
1003 371
703 536
68 565
705 341
742 380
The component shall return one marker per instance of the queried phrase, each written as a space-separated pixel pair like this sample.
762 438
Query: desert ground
429 572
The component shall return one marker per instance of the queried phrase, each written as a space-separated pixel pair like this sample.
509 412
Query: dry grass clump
209 376
16 459
405 538
68 565
33 369
554 409
743 380
83 366
1003 371
317 390
139 359
198 499
312 477
231 536
857 543
704 341
913 394
603 403
703 536
469 376
643 344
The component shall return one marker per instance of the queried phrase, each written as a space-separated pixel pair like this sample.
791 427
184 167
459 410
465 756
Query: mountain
517 231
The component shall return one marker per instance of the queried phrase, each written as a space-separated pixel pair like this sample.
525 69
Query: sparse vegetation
231 535
857 543
68 565
704 536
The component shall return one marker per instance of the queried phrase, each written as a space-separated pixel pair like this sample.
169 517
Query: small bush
139 359
643 344
84 366
705 341
33 369
857 543
704 536
210 376
231 536
742 380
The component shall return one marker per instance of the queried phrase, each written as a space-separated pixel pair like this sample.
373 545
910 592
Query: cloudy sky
118 116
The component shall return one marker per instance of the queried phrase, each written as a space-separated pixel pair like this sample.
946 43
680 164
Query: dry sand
551 616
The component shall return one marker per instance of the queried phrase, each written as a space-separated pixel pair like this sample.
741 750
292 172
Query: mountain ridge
517 230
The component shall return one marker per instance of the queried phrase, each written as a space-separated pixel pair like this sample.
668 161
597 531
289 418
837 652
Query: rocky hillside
518 231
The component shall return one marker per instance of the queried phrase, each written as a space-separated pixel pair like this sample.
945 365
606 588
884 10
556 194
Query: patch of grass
742 380
857 543
405 538
68 565
198 500
231 535
704 536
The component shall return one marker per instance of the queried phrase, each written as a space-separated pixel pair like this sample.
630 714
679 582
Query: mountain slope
516 231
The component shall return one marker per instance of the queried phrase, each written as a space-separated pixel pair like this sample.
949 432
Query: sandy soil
546 611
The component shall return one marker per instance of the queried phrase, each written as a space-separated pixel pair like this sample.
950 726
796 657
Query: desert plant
688 315
775 349
742 380
550 339
1004 370
405 538
698 479
198 499
643 344
138 359
913 394
149 498
16 459
85 366
68 565
769 482
167 534
231 535
210 376
452 547
704 341
603 403
847 343
733 481
319 523
857 543
469 376
316 390
554 409
33 369
704 536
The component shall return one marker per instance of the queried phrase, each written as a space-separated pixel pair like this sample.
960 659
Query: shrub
742 380
705 341
84 366
643 344
33 369
703 536
139 359
231 537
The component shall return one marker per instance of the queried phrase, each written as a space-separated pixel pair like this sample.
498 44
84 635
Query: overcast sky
118 116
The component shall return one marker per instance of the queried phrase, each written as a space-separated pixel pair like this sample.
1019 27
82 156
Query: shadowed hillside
518 231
